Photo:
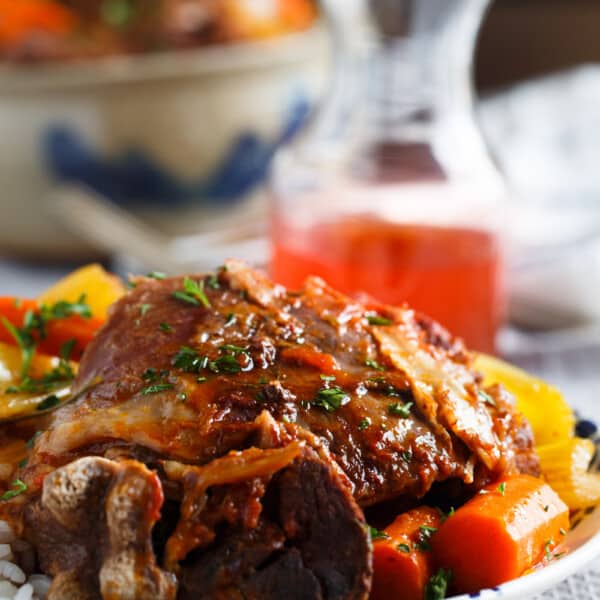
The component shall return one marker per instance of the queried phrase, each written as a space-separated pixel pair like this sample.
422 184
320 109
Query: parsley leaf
425 534
404 548
48 402
364 423
225 364
165 327
156 388
376 534
374 319
437 586
18 488
374 365
486 398
400 410
156 275
331 398
188 360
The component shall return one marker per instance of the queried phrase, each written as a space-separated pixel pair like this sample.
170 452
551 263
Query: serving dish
213 395
583 545
177 137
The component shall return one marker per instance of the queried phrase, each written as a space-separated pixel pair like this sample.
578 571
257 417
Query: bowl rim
206 61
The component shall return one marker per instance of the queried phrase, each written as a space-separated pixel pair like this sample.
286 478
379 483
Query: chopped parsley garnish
376 534
25 342
425 534
188 360
374 365
547 551
230 319
225 364
364 423
213 282
192 293
150 375
61 374
201 379
400 410
327 377
378 320
331 399
437 586
34 327
63 310
144 308
486 398
18 488
449 514
156 388
165 327
156 275
404 548
31 441
235 350
196 289
407 455
502 488
48 402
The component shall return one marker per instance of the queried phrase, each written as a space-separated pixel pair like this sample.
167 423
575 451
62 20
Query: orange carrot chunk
402 562
500 533
82 330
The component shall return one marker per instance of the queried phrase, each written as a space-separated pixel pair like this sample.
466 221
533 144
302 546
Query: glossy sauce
452 274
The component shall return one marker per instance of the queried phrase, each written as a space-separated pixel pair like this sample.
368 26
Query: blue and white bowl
175 136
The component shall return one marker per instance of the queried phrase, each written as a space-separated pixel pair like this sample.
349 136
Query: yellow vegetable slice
101 289
10 365
565 466
15 405
551 418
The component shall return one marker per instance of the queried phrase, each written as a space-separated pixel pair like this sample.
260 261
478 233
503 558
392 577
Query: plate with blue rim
580 546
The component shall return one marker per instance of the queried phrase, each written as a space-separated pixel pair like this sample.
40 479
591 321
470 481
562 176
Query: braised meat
266 418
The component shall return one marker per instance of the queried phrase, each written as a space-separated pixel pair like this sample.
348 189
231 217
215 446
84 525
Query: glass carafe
390 191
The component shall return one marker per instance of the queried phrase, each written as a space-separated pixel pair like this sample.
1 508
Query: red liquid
454 275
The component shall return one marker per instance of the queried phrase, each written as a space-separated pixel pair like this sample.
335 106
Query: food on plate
224 437
402 557
42 30
501 532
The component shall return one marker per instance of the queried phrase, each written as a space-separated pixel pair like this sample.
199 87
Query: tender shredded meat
270 416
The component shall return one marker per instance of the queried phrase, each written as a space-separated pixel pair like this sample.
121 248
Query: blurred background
440 152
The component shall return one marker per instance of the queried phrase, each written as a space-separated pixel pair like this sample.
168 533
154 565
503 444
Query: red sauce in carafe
452 274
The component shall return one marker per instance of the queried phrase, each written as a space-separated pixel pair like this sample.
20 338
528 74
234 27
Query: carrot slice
402 563
58 331
501 532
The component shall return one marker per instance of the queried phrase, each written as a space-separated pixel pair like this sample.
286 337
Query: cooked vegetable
100 288
48 333
496 536
21 18
565 467
535 399
402 564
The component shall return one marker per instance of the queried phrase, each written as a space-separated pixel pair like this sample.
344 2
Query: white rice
17 562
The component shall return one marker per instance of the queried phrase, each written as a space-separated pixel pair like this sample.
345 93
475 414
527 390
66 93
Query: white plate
582 544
